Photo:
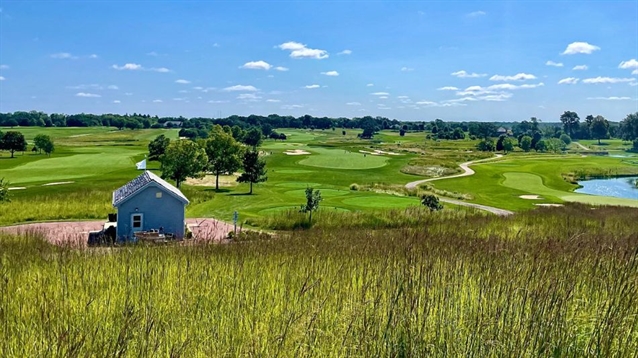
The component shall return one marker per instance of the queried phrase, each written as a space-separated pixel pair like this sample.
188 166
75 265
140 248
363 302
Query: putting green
533 184
382 201
297 185
293 171
340 159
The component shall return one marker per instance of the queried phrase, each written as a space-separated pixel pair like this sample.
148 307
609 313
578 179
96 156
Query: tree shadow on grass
220 190
241 194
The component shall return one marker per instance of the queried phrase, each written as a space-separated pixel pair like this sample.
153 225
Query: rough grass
549 283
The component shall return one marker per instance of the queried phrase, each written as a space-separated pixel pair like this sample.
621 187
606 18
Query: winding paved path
581 146
467 171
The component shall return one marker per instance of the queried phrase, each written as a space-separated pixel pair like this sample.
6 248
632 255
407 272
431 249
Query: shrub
431 202
354 187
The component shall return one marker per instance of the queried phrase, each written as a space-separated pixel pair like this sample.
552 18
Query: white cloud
580 47
273 100
516 77
380 94
91 86
599 79
353 104
182 81
2 78
477 13
580 68
628 65
179 99
633 84
447 88
4 67
383 97
312 86
182 91
345 52
84 94
117 101
568 81
508 86
634 72
610 98
128 94
215 44
331 73
217 101
157 101
152 53
555 64
248 96
128 66
240 88
281 68
291 106
93 55
370 85
403 97
113 87
463 74
257 65
299 50
407 69
64 56
138 67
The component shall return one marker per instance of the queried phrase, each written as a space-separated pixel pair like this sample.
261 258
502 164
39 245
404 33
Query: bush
431 202
354 187
566 139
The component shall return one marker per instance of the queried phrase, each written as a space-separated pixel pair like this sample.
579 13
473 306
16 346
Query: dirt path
467 171
581 146
76 233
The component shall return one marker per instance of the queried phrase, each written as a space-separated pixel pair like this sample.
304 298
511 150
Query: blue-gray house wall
158 210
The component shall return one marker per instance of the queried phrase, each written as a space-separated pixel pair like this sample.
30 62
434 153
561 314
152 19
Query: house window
137 221
158 194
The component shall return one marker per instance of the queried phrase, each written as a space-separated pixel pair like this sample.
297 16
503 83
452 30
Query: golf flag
141 165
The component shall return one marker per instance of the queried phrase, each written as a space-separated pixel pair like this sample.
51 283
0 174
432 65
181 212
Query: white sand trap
530 197
209 180
296 152
367 152
79 135
384 152
58 183
17 188
549 205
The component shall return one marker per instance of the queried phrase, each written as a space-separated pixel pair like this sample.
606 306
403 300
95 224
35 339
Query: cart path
581 146
76 233
467 171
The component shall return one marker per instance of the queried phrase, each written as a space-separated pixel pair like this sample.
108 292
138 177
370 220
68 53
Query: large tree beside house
224 153
254 169
183 159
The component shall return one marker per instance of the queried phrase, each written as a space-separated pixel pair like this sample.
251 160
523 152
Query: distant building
149 203
173 124
503 131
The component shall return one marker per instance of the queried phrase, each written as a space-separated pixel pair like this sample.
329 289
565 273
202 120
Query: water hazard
616 187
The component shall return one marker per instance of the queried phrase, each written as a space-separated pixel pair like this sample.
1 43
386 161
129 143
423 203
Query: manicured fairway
343 159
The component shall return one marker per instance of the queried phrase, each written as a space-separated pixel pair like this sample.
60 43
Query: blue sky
463 60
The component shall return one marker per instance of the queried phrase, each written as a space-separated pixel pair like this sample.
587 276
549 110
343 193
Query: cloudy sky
455 60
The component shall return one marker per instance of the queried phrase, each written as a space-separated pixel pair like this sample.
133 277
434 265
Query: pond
616 187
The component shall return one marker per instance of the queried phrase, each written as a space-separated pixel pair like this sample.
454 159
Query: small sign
235 217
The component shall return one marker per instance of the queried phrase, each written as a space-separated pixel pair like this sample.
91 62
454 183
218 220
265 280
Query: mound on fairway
338 159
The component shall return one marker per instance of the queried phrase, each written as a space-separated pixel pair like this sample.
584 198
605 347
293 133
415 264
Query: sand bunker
530 197
209 180
58 183
17 188
296 152
378 152
549 205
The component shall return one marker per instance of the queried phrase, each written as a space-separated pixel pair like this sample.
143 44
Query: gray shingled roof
131 188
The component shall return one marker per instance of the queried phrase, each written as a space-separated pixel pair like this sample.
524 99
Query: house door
137 222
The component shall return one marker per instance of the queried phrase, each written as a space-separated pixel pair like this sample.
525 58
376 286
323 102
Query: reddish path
77 232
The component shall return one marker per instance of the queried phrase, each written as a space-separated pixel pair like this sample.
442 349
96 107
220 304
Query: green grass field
92 162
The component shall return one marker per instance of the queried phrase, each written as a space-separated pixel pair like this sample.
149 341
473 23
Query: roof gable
136 185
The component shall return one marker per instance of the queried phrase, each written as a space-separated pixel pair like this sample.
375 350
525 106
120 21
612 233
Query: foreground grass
558 282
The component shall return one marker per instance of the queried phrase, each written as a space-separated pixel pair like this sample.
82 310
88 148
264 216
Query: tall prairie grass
556 282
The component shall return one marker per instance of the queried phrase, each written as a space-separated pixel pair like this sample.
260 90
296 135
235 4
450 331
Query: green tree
599 128
486 145
238 133
183 159
570 122
541 146
13 142
458 134
44 142
526 143
254 169
224 153
253 137
566 139
431 202
313 198
157 147
508 145
4 191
